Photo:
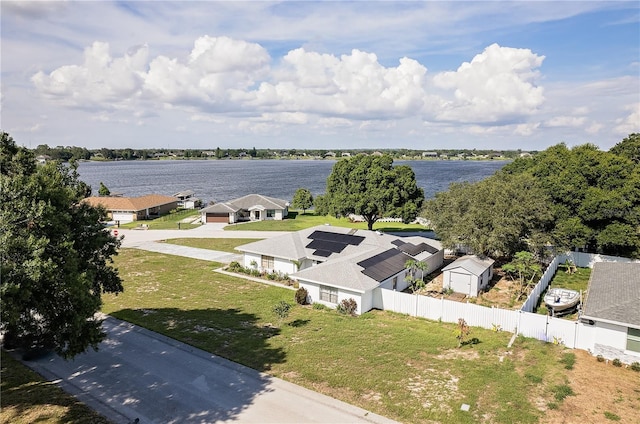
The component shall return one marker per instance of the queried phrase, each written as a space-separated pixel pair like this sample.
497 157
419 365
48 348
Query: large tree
498 216
302 199
372 187
56 255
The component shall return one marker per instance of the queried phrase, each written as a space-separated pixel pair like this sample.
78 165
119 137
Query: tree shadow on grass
299 323
159 376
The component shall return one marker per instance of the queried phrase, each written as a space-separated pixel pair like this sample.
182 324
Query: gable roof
130 203
354 259
614 293
248 202
471 263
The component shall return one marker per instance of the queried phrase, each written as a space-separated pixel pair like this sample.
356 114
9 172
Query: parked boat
560 300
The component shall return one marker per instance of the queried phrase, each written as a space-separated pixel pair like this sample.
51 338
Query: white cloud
497 85
566 121
630 123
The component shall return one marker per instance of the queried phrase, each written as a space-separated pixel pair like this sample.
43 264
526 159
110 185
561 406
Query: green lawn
404 368
167 222
27 398
578 281
223 245
298 221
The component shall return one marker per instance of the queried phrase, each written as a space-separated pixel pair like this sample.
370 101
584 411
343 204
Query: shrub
616 362
635 366
281 309
235 267
301 296
255 273
600 358
347 306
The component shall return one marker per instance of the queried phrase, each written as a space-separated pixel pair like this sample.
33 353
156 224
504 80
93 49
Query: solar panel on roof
398 242
323 253
384 265
336 237
377 258
329 246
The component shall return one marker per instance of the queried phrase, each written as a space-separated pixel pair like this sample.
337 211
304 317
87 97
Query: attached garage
123 217
217 217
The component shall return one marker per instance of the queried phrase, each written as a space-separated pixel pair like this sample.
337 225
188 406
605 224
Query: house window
633 339
267 262
271 213
329 294
395 282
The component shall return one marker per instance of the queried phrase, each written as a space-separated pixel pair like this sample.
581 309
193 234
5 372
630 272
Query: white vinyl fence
572 334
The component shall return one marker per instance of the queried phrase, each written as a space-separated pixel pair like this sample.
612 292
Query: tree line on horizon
68 153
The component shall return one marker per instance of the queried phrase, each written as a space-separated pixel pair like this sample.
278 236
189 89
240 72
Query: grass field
168 222
27 398
298 221
223 245
401 367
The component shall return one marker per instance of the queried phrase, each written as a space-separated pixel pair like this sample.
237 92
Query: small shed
468 275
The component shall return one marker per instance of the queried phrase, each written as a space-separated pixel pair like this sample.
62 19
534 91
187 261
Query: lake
222 180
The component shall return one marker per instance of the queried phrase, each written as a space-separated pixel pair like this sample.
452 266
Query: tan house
129 209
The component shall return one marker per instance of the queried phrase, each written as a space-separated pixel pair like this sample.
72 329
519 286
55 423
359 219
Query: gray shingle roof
251 200
614 293
471 263
338 269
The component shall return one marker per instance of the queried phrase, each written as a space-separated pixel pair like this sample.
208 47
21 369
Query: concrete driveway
144 375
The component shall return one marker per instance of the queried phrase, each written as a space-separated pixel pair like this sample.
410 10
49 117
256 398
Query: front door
256 215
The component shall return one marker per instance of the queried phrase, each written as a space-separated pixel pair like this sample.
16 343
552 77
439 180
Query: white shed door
460 282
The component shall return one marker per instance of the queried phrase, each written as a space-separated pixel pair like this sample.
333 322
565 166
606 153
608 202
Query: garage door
216 217
122 217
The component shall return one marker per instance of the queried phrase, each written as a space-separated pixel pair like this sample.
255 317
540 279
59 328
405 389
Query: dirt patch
502 291
459 354
434 389
602 393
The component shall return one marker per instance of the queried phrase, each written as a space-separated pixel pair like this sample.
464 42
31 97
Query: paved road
152 240
141 374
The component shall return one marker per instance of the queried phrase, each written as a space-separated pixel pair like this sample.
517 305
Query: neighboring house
129 209
186 199
335 263
468 275
252 207
42 159
613 308
429 154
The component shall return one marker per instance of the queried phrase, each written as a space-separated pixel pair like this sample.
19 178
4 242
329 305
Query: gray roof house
613 308
468 275
252 207
335 263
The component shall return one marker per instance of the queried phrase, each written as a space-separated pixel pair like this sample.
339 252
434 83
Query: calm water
222 180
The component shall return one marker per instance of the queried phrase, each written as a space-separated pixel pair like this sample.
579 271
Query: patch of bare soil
502 291
603 393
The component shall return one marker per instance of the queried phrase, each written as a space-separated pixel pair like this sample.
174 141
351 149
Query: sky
320 75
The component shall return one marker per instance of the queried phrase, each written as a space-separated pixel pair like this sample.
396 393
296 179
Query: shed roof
614 293
471 263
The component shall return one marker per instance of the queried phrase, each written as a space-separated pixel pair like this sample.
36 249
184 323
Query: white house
335 263
468 275
252 207
613 308
186 199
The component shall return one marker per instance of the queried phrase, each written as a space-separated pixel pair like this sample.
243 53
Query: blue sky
424 75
